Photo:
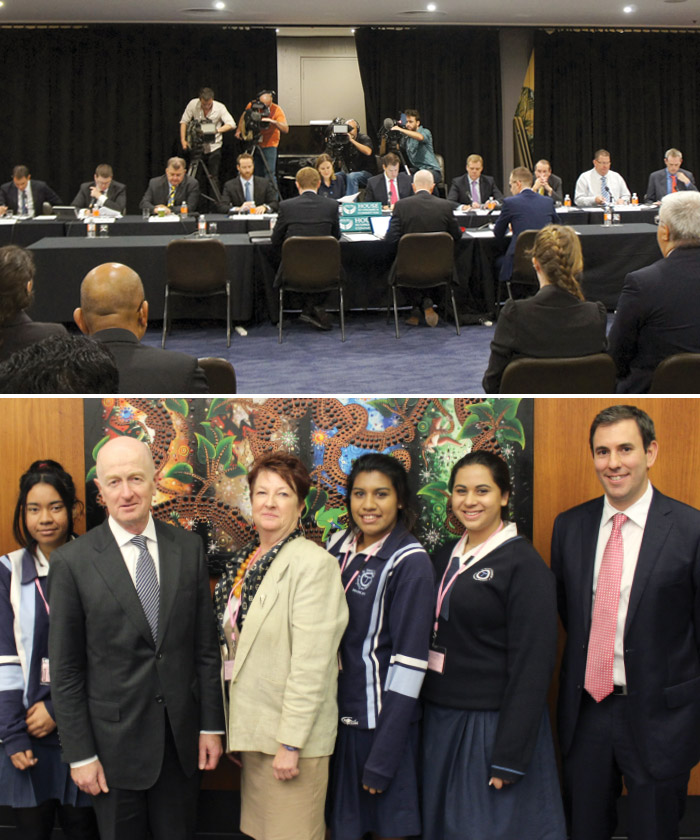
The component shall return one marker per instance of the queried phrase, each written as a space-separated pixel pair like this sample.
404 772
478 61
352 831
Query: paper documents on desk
173 217
360 237
347 198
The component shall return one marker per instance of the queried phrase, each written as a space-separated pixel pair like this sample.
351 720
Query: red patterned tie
394 194
674 184
601 643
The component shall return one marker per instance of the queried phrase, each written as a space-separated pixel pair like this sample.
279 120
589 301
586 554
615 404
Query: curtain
450 74
75 97
633 93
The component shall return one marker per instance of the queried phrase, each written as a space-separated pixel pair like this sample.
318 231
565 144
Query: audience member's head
557 258
16 281
520 178
679 221
112 297
423 180
60 364
308 178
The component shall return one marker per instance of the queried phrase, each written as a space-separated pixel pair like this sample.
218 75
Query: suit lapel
110 565
656 531
262 604
170 563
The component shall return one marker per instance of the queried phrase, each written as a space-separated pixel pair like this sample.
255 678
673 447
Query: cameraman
269 137
418 145
206 109
358 157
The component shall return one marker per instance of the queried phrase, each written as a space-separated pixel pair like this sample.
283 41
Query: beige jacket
284 683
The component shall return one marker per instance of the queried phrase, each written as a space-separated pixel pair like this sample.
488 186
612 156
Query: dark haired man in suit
24 196
134 658
391 185
166 193
627 567
248 193
102 191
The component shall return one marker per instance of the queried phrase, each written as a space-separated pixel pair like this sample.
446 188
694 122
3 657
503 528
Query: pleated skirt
459 804
48 779
353 811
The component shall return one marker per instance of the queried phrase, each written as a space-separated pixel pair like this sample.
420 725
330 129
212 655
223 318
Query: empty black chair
424 261
523 271
310 264
220 373
593 374
678 374
196 268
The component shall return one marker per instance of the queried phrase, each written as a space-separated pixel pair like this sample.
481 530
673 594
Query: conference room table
62 262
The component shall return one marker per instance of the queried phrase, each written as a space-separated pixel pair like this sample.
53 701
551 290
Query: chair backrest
441 161
523 271
679 374
593 374
221 377
310 263
195 265
424 258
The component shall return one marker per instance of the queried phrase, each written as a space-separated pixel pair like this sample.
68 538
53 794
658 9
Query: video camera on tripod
200 132
252 121
391 141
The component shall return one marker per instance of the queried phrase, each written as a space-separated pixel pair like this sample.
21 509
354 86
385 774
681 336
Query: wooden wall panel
563 468
32 428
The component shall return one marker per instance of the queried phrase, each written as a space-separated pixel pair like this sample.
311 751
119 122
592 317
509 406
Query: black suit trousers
166 811
604 752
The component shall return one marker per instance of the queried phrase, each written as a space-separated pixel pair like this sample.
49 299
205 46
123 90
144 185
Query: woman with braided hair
555 322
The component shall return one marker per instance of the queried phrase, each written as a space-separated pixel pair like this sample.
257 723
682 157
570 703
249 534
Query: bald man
114 311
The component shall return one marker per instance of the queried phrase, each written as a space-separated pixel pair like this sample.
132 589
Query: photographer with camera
349 147
418 145
260 125
205 120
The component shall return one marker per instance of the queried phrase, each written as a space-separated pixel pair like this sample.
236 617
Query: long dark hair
495 465
395 472
50 472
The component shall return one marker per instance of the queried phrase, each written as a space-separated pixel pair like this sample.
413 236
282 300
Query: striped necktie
601 642
171 197
605 189
147 587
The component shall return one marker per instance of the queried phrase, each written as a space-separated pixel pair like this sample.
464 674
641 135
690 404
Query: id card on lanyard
45 674
437 655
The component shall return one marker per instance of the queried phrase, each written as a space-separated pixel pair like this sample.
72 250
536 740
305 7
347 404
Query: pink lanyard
36 581
443 589
353 548
233 617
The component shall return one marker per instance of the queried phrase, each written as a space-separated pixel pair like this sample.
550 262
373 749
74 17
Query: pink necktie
394 194
601 643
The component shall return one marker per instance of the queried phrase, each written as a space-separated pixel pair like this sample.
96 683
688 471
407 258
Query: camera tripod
253 147
197 161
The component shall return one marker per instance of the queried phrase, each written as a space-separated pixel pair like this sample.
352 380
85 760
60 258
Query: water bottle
635 199
184 210
567 200
202 225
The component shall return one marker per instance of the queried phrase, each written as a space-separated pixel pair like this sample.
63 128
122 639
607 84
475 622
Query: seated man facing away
658 311
60 364
422 213
113 311
102 191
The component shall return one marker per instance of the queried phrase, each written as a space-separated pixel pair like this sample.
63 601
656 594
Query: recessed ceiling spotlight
219 5
1 3
629 9
431 7
352 31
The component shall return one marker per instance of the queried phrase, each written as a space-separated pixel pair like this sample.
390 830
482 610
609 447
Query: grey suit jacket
110 684
657 186
116 196
159 189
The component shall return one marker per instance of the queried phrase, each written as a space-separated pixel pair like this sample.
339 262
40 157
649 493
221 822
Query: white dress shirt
589 185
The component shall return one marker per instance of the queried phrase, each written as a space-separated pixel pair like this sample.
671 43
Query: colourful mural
203 449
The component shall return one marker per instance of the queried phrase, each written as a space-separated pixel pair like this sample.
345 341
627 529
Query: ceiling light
219 5
629 9
431 7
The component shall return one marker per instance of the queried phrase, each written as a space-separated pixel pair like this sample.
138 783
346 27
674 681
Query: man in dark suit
474 189
24 196
263 196
658 311
134 658
628 576
113 311
670 179
379 187
309 214
422 213
524 210
102 191
546 183
166 193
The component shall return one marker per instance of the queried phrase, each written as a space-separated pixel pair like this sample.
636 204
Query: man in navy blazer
474 189
524 210
379 186
629 694
23 195
309 214
658 311
670 179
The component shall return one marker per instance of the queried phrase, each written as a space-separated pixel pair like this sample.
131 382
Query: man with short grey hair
671 179
658 312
